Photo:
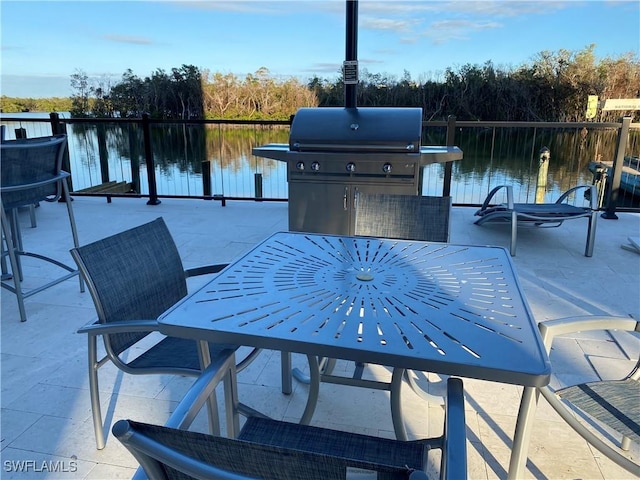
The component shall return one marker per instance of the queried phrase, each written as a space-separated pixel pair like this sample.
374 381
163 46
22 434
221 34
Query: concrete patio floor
46 415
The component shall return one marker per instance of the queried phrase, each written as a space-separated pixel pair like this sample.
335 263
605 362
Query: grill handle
345 199
323 147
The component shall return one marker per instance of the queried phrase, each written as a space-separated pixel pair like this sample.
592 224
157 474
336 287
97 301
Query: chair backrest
409 217
29 161
133 275
173 454
280 450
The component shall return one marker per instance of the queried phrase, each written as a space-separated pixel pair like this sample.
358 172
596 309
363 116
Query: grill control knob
315 166
386 168
351 167
300 165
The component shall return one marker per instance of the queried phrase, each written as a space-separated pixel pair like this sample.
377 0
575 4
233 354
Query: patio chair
598 410
31 172
133 277
540 214
32 208
277 450
406 217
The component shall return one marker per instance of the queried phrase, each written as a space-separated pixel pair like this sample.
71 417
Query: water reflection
114 152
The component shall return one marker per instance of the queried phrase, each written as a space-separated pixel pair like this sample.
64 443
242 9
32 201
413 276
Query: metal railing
211 159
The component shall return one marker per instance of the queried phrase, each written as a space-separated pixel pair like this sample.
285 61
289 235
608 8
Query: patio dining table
436 307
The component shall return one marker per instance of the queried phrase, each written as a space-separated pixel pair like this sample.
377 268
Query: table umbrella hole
364 277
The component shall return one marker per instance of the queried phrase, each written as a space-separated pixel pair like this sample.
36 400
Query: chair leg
94 391
591 234
16 237
625 444
514 233
72 222
524 425
32 215
3 259
7 231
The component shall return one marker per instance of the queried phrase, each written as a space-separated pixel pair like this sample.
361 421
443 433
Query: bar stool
31 172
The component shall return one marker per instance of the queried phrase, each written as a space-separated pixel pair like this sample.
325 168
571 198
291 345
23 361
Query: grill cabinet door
319 207
329 207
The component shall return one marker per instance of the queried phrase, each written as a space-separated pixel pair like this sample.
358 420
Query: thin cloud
11 48
506 8
450 20
128 39
465 24
409 40
396 25
370 61
323 67
243 6
447 30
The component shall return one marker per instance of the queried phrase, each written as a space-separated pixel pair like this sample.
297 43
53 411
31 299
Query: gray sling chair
133 277
278 450
32 208
31 172
587 407
406 217
540 214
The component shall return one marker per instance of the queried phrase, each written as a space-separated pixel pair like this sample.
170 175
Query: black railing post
134 156
206 179
257 181
59 128
618 162
148 157
448 166
103 153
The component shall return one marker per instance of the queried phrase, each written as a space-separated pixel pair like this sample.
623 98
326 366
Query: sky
45 42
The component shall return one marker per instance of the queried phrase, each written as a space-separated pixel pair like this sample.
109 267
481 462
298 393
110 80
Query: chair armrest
201 390
205 270
454 448
97 328
29 186
492 193
593 199
584 323
418 475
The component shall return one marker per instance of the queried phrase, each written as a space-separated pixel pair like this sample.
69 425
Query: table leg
231 402
396 405
326 366
212 402
524 424
429 397
285 368
314 389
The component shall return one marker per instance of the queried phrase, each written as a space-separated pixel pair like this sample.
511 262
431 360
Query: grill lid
370 129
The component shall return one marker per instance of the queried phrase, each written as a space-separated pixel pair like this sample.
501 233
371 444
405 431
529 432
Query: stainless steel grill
334 153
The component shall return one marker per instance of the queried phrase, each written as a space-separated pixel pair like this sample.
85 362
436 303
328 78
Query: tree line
553 87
